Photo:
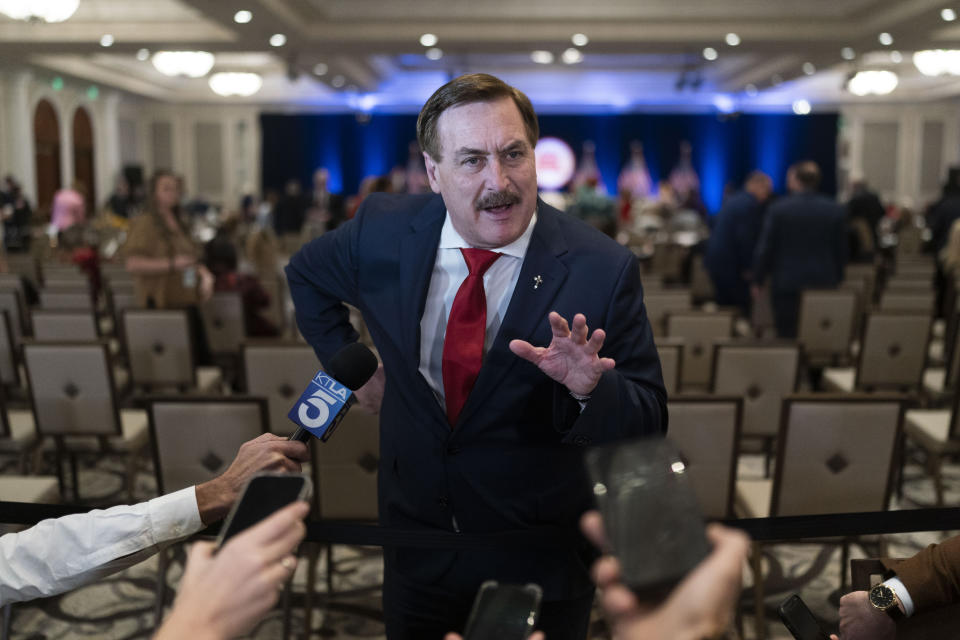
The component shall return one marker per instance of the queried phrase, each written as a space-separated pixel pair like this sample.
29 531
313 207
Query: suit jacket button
443 502
581 441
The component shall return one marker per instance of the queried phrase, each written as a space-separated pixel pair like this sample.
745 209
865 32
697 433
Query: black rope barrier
782 528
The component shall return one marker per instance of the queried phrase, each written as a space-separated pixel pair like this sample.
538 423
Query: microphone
329 395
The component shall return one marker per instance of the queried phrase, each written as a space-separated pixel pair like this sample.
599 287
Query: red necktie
466 328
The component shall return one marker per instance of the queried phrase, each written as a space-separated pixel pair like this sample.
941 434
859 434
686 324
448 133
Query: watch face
881 596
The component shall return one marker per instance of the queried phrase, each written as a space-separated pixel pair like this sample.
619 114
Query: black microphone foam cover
353 365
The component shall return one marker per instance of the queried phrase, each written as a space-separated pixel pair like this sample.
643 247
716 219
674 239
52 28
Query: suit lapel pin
537 281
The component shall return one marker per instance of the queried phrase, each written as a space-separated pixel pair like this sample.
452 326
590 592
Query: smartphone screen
503 612
799 620
264 494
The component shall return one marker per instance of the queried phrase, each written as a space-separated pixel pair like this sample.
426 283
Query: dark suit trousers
786 308
414 611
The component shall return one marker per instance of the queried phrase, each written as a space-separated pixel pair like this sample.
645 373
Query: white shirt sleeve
901 590
61 554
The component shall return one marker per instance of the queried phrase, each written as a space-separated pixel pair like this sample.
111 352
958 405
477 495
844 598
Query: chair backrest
706 430
827 322
761 373
159 347
699 330
917 269
195 439
223 322
279 372
661 303
60 326
345 468
9 371
670 351
836 453
11 301
69 299
912 300
71 388
909 283
894 350
73 283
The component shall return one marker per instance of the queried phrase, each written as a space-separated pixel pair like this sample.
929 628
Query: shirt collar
450 239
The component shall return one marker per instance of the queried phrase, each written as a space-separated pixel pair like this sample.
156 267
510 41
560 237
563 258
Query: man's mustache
498 199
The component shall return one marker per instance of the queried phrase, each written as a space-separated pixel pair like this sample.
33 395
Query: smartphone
799 620
503 612
263 494
650 513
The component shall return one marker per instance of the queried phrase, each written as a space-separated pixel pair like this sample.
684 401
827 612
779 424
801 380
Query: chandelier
935 62
235 83
193 64
39 10
876 82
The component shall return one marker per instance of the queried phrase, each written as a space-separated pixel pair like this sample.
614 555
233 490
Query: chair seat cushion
935 351
41 489
837 379
934 379
931 430
23 431
209 379
753 498
134 435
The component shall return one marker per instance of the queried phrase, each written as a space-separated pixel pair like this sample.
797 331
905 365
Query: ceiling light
106 40
428 40
571 56
732 39
235 83
710 53
875 82
320 69
848 53
935 62
751 90
242 17
896 57
433 53
338 81
885 39
580 39
801 107
948 15
47 11
193 64
143 55
278 40
724 103
541 57
809 69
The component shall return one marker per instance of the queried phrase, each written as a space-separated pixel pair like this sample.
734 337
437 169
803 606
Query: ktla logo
327 396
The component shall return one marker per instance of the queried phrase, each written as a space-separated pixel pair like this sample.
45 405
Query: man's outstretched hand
571 359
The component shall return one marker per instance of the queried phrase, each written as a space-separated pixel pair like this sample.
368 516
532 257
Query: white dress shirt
901 590
61 554
449 272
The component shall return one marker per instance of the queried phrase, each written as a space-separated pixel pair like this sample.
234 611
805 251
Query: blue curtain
725 148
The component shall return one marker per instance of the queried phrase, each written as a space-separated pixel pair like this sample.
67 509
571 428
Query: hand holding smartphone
263 494
799 620
503 612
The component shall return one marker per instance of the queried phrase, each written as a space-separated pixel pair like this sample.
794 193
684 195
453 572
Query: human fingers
617 600
538 635
559 326
591 523
453 636
527 351
596 340
275 526
579 330
834 636
606 571
293 449
730 543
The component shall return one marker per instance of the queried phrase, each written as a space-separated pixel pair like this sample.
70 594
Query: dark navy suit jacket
803 244
514 459
731 246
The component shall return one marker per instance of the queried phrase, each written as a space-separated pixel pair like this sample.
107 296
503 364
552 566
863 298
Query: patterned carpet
122 606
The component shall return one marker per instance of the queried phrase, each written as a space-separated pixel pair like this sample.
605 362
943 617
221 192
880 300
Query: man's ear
431 172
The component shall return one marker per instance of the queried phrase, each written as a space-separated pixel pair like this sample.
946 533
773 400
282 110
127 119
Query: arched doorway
46 139
83 156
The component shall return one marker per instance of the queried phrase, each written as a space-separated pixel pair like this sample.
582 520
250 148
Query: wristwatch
885 599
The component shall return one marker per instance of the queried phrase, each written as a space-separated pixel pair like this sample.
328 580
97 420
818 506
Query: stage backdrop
725 149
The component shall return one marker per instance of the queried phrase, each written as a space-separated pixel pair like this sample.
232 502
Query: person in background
68 207
290 210
730 248
802 245
865 205
120 202
221 259
17 216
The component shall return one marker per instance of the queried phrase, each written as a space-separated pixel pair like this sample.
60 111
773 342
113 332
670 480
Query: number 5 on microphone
321 406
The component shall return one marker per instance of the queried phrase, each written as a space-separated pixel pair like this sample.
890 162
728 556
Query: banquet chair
279 372
670 351
911 300
826 325
699 330
69 299
661 303
64 325
936 433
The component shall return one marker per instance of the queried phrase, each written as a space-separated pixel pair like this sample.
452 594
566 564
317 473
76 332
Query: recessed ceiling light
541 57
809 69
580 39
710 53
106 40
572 56
896 57
885 39
338 81
433 53
751 90
732 39
948 15
242 17
278 40
428 39
320 69
847 53
143 55
801 107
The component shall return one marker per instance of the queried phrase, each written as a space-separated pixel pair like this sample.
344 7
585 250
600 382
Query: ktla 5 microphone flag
320 405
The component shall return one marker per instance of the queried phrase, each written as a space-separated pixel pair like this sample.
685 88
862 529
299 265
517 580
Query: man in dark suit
488 393
803 245
729 256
